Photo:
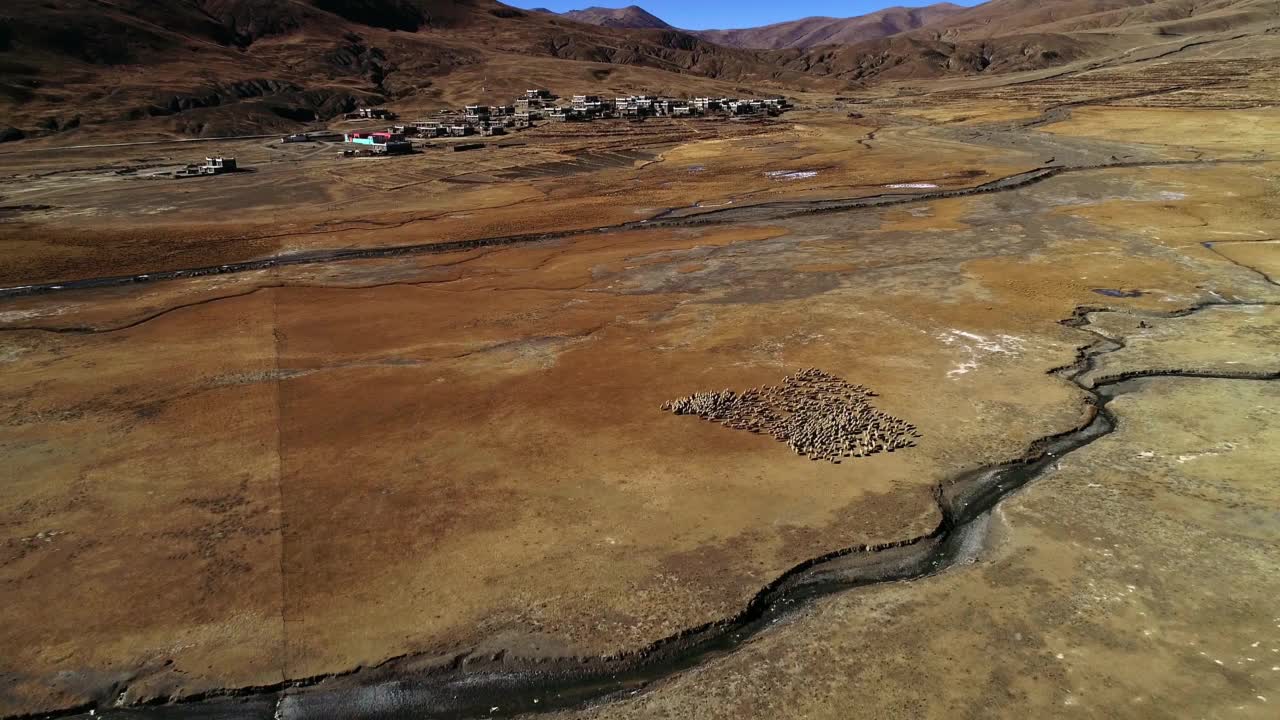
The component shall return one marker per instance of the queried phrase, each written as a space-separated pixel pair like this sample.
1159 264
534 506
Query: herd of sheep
818 415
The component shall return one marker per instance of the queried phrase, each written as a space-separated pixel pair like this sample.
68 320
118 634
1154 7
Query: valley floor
405 454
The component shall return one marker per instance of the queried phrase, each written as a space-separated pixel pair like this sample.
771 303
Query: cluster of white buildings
535 105
212 166
589 107
538 105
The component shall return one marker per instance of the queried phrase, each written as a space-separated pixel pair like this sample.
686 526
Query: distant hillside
225 67
906 57
632 17
813 31
219 67
1002 17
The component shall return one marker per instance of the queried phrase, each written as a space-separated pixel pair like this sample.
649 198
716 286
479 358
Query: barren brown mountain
813 31
180 66
1004 36
83 70
631 16
1166 17
908 57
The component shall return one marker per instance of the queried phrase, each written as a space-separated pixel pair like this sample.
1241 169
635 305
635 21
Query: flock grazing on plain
818 415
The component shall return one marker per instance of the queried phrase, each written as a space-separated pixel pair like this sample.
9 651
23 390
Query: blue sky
722 14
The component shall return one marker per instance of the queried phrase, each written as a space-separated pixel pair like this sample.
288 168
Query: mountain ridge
223 67
629 17
821 30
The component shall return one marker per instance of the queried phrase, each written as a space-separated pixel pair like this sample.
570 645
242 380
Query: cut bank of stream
498 686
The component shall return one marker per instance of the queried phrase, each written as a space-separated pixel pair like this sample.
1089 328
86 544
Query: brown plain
234 481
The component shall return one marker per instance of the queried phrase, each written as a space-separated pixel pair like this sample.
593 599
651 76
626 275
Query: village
536 106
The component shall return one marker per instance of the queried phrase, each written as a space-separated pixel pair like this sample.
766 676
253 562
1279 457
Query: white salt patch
8 355
1009 344
1167 195
916 185
13 316
1218 450
790 174
976 345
